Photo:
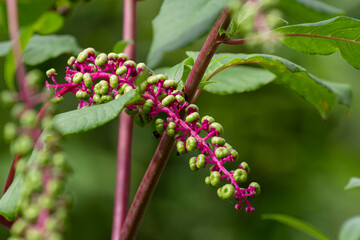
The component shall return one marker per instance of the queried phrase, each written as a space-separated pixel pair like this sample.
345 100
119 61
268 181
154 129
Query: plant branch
162 153
122 187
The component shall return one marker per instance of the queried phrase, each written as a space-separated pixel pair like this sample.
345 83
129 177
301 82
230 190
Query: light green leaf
180 23
89 118
354 182
299 11
49 22
239 79
41 48
120 46
179 71
288 74
326 37
5 48
297 224
350 230
9 71
10 201
343 91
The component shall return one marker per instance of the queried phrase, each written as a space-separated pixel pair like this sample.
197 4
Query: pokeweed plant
34 203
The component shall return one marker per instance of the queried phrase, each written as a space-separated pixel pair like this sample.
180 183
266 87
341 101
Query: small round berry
167 100
180 98
215 178
101 59
7 98
97 98
192 117
31 213
217 127
128 89
57 99
140 67
143 86
222 152
19 227
256 186
200 161
235 154
227 191
121 70
192 164
218 140
129 63
147 106
78 77
50 72
208 118
28 118
106 98
34 78
161 77
123 56
191 144
10 131
89 50
180 147
82 56
207 180
71 60
245 166
152 79
88 80
171 129
192 108
82 94
113 55
114 81
240 175
170 83
101 87
122 88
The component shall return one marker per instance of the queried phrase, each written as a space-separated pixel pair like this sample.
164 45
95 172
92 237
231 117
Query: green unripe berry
152 79
240 175
207 180
31 213
222 152
101 87
123 56
97 98
200 161
217 127
10 131
106 98
82 94
159 121
257 186
215 178
122 88
193 107
28 118
55 187
128 89
218 140
208 118
170 83
191 144
71 60
192 117
162 96
87 79
139 121
147 106
51 71
192 164
7 98
114 81
235 154
129 63
180 147
43 157
227 191
89 50
180 98
22 145
101 59
143 86
34 78
245 166
132 112
161 77
82 56
78 77
167 100
92 67
140 67
171 129
33 234
121 70
18 227
17 109
228 146
113 55
57 99
159 125
59 160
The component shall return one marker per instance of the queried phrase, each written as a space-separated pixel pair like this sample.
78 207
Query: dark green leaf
29 11
288 74
5 47
180 23
120 46
89 118
49 22
353 183
350 230
9 71
297 224
299 11
239 79
326 37
41 48
10 201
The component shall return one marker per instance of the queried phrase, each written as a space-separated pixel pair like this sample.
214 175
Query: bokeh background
301 161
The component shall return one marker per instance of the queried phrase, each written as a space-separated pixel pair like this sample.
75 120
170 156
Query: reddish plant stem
157 164
122 187
11 173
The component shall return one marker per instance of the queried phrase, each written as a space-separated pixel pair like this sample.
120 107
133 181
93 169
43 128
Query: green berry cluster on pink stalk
110 75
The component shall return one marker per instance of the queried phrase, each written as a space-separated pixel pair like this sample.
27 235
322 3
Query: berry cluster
98 79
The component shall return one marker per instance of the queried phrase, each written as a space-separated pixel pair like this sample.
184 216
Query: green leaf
297 224
120 46
288 74
29 11
180 23
354 182
89 118
9 71
239 79
343 91
299 11
179 72
5 48
10 201
326 37
41 48
49 22
350 230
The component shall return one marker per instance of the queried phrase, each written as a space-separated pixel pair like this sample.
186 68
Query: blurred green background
301 161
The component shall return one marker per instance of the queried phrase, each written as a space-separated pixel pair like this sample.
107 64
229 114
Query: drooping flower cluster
98 79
